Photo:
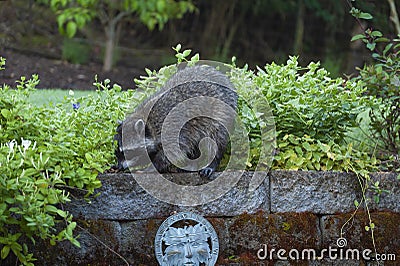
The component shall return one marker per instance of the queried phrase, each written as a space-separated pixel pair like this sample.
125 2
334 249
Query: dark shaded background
255 31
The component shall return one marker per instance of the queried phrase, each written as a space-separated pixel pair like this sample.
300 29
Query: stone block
98 239
389 199
386 232
312 191
249 233
122 198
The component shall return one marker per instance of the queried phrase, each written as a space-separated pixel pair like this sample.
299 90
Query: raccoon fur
190 117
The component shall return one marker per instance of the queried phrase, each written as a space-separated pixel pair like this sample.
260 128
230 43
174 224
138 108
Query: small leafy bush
30 195
312 112
382 82
46 151
307 101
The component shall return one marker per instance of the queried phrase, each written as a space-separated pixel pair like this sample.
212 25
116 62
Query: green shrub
307 101
382 80
43 151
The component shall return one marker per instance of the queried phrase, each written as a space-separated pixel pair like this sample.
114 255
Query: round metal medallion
186 238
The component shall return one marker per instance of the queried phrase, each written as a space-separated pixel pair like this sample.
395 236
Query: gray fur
200 92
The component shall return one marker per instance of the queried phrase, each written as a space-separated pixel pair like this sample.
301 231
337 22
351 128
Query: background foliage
256 31
381 78
76 14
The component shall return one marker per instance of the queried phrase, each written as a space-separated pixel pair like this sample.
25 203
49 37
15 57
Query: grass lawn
47 96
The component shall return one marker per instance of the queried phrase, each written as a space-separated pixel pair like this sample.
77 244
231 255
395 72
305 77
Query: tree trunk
110 45
299 34
393 16
110 28
215 30
234 22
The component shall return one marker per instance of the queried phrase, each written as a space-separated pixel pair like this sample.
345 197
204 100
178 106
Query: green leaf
364 15
52 199
298 150
376 199
75 242
329 165
178 47
358 37
195 58
51 209
20 198
160 5
331 155
387 48
6 113
376 55
62 213
372 225
16 248
9 200
88 157
186 52
382 39
3 207
317 156
324 147
29 172
70 228
80 21
5 251
71 29
298 161
371 46
61 19
376 33
286 226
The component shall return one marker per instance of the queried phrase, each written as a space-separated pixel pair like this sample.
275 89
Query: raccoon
185 126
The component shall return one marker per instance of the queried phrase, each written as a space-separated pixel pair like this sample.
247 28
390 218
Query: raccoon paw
206 172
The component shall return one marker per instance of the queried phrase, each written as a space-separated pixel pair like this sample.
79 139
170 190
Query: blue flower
76 106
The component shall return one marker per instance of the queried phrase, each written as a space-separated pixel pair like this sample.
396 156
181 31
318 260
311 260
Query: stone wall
289 210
